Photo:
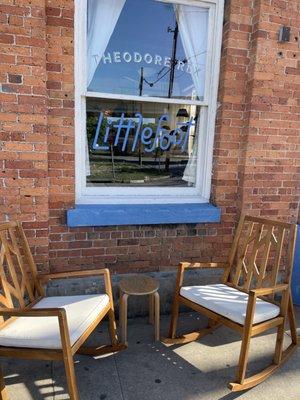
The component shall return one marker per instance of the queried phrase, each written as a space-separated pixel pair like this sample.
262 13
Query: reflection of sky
143 27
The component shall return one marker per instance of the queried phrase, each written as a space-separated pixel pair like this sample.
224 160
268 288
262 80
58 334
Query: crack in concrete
119 378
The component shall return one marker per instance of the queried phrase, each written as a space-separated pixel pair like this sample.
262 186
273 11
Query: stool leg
151 309
157 315
123 317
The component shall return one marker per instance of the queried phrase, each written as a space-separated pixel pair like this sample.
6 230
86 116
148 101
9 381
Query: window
146 84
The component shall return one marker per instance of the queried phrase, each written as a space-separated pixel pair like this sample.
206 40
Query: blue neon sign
161 138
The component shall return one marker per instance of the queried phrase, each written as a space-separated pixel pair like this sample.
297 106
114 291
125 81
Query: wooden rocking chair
244 301
33 326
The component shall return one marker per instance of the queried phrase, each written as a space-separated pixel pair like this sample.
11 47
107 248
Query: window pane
141 143
147 48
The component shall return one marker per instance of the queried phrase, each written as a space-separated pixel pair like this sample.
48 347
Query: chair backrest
19 285
262 253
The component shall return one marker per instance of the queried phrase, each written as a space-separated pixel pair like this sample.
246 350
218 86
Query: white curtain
192 23
103 16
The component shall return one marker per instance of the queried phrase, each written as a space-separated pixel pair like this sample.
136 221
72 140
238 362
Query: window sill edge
142 214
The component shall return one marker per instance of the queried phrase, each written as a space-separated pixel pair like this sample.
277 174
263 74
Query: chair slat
38 288
241 257
257 253
12 271
22 266
4 301
267 247
18 284
253 255
5 287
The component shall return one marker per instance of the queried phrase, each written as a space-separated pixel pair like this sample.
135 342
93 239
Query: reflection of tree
91 126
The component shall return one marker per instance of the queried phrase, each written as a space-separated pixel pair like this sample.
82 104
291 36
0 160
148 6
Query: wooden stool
139 285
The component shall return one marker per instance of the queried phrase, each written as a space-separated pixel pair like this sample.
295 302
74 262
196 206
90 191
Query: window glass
146 48
141 143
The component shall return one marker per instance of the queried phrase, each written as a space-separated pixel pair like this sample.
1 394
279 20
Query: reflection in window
141 143
146 48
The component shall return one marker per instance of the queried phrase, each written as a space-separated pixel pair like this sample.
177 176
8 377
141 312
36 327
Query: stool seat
139 285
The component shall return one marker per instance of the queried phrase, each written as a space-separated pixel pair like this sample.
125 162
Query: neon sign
133 128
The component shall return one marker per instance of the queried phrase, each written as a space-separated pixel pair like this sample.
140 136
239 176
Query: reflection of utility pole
141 82
113 161
173 59
141 93
173 63
171 80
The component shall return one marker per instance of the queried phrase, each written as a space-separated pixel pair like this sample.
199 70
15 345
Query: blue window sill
141 214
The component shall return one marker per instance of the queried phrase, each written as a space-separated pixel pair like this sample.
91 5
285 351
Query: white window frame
150 195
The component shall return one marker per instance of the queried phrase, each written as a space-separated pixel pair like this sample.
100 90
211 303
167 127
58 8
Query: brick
6 39
14 10
16 20
53 11
30 41
15 78
54 67
292 71
53 85
32 192
61 22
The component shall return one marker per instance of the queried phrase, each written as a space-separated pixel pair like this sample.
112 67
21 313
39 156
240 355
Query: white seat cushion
43 332
229 302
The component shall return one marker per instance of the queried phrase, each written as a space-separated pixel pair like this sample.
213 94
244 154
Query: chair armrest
33 312
186 265
60 313
270 290
44 278
72 274
254 293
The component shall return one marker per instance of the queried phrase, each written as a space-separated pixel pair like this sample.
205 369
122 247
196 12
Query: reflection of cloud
130 79
186 89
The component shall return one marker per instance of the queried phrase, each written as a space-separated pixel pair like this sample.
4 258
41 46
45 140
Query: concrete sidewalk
153 371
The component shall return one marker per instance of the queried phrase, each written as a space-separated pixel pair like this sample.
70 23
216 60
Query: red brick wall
23 119
256 154
271 152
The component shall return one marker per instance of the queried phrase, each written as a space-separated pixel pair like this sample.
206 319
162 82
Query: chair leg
3 390
112 327
67 355
292 321
174 318
71 378
279 344
243 360
280 356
